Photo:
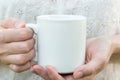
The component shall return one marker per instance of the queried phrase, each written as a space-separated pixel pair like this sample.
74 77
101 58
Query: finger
20 68
87 78
1 27
82 71
18 59
15 35
39 70
52 73
20 47
88 69
12 23
69 77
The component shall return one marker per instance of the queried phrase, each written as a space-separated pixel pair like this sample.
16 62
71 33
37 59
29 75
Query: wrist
115 39
111 41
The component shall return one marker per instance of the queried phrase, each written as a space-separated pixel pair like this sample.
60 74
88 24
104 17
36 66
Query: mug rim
61 17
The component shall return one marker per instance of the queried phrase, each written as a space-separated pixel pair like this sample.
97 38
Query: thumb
91 68
12 23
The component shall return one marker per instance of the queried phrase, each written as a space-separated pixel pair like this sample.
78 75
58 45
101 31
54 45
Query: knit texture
103 18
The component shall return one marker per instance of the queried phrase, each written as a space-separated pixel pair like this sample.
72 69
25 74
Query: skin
98 53
16 45
17 51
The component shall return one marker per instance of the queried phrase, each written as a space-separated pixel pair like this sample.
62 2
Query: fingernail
79 75
18 25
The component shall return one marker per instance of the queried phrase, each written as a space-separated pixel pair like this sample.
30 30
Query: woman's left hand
98 53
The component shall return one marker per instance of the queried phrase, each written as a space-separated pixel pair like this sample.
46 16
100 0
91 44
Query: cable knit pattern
103 19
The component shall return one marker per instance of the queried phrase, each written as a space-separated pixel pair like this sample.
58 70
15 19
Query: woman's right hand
16 45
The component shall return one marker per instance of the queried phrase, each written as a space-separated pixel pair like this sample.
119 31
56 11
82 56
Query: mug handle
35 29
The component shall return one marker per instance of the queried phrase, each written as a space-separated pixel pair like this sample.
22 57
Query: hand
16 45
98 53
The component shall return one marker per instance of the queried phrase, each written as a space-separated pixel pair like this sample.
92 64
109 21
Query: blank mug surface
61 41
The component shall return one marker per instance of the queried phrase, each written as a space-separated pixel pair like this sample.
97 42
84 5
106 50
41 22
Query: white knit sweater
103 19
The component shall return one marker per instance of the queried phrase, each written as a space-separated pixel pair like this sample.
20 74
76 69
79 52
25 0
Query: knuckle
30 32
3 51
16 69
24 34
88 72
92 71
32 41
22 24
103 60
25 47
21 60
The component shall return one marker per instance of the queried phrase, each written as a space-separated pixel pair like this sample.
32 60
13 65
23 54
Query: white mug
61 41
